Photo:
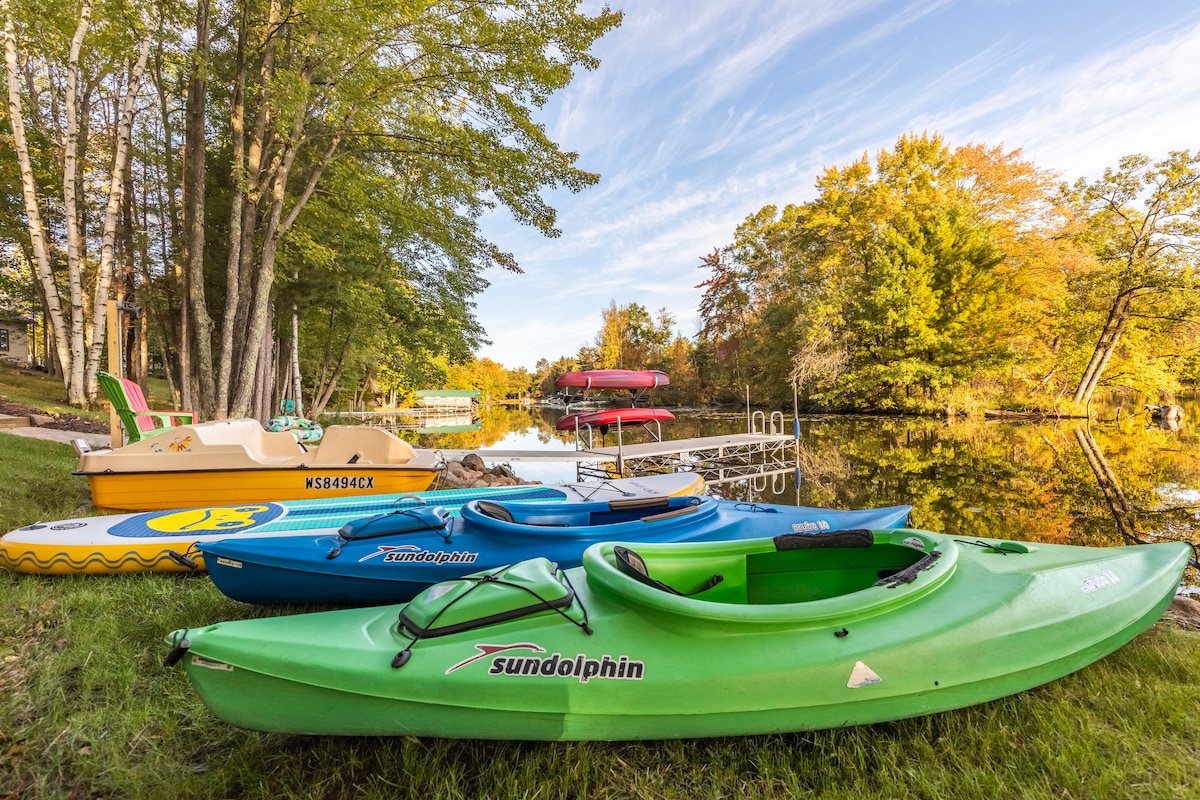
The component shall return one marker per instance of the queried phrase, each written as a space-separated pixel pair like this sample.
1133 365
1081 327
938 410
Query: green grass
46 392
36 482
88 710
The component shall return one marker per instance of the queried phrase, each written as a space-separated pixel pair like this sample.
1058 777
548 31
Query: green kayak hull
797 633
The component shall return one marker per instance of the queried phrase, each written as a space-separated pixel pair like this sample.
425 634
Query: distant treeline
930 279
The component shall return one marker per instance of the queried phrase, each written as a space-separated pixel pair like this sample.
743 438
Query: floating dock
422 419
718 459
764 451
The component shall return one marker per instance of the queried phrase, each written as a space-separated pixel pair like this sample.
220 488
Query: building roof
8 315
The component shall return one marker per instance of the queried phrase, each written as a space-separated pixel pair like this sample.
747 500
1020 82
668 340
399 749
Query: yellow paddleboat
231 462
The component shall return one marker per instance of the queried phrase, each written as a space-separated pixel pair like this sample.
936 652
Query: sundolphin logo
486 650
412 554
556 665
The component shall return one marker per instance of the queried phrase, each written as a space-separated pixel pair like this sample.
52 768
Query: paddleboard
151 541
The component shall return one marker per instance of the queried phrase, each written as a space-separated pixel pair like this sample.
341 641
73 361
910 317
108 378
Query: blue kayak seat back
494 510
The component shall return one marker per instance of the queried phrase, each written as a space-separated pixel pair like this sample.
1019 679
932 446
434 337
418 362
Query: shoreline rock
472 473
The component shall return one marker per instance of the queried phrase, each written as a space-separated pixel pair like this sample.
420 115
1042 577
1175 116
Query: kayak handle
179 646
812 541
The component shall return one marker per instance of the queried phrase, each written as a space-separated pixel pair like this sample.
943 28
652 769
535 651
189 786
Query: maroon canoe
613 379
611 416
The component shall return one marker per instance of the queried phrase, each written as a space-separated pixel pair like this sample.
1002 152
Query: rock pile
472 473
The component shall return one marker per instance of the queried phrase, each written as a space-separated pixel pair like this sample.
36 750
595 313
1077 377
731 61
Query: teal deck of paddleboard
304 515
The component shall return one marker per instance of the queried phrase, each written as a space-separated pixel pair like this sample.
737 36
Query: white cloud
703 112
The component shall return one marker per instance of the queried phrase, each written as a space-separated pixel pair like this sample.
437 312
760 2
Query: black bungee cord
404 655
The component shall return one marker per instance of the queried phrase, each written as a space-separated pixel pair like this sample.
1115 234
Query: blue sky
704 111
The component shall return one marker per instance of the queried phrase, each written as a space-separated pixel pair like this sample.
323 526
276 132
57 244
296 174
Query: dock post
796 435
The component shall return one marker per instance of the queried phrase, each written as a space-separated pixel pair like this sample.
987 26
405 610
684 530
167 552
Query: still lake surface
1105 483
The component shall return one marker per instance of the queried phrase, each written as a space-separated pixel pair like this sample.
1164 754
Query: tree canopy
335 162
935 276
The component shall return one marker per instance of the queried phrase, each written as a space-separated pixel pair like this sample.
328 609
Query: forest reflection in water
1108 482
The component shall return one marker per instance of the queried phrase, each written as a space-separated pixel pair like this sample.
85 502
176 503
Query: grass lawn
87 710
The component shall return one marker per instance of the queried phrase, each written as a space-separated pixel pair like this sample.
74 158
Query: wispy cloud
704 111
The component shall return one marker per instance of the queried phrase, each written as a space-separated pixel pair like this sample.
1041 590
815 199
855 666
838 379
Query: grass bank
87 710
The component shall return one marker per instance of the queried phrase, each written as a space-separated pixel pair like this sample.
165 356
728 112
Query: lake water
1103 483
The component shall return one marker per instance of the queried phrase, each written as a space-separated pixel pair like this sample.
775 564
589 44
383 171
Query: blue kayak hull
389 568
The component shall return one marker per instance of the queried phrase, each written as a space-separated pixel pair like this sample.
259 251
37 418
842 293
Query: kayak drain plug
842 634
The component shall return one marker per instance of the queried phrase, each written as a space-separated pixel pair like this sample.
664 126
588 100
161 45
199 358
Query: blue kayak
392 557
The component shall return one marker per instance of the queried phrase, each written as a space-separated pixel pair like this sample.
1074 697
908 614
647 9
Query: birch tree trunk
76 388
198 374
37 232
295 363
78 348
116 193
1106 345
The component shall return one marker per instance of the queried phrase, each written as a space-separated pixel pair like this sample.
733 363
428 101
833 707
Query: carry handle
814 541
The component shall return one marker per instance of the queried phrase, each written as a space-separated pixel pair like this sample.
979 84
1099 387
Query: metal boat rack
764 450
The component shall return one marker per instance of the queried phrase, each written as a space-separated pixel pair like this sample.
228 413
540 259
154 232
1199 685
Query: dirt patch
1184 613
59 422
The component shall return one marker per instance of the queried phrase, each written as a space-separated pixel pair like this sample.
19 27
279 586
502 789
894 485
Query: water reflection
1106 483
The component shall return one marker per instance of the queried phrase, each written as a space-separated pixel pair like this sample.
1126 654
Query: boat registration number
344 482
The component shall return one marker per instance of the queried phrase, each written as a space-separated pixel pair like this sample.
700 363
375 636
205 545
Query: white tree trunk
37 233
76 388
295 359
116 191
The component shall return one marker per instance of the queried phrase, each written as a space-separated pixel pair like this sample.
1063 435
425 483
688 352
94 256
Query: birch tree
30 49
1143 225
442 89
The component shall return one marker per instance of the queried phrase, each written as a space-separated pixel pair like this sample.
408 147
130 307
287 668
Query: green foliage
1141 222
630 338
934 274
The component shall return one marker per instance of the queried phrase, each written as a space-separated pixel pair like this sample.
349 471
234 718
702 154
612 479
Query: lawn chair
137 418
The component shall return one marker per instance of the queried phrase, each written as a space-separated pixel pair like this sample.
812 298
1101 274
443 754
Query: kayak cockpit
794 577
509 519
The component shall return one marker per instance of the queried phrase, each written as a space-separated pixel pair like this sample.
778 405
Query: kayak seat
494 510
633 565
528 516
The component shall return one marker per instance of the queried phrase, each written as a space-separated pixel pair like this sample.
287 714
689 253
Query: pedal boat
658 641
392 557
230 462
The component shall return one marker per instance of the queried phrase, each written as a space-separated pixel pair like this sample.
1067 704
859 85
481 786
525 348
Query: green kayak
799 632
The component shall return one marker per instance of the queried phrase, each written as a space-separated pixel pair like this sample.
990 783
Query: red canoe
613 379
611 416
